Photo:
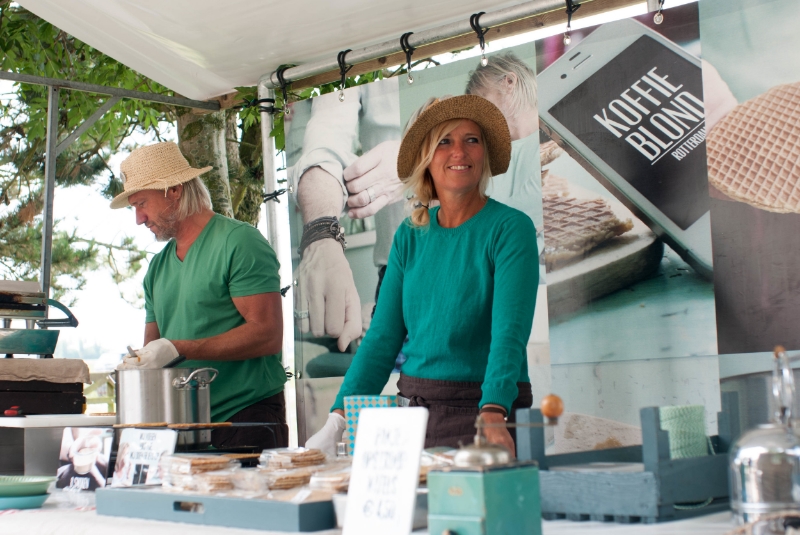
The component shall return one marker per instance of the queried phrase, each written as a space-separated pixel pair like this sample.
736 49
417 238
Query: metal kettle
765 462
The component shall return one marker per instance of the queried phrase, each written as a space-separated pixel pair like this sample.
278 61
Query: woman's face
457 163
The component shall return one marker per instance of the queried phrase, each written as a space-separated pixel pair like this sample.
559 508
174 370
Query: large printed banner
661 177
627 223
754 170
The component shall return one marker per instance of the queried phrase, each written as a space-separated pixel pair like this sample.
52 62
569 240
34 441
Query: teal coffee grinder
486 491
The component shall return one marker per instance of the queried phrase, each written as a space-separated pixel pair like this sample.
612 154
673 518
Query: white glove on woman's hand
156 354
326 438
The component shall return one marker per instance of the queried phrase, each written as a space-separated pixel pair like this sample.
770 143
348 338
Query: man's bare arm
261 334
151 332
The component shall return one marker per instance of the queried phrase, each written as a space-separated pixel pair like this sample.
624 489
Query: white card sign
138 456
383 484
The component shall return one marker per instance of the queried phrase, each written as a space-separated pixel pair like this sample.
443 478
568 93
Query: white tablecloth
65 514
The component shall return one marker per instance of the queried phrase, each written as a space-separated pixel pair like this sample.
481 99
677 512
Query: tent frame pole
416 40
281 243
113 91
49 188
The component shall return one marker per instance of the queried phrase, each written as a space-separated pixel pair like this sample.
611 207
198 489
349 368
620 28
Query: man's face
157 212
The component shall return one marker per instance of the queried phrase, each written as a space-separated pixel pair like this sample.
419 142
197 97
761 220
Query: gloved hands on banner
372 180
327 301
156 354
326 438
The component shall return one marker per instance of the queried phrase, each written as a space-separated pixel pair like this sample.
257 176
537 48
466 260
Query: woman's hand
498 435
326 438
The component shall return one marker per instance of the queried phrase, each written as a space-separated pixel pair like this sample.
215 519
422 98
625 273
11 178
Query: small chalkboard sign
385 475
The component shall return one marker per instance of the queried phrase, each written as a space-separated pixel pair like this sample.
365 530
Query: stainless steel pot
765 462
172 395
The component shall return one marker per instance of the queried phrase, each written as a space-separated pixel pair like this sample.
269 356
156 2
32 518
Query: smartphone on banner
627 104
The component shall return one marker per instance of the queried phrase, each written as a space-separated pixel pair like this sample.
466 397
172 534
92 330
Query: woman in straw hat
459 292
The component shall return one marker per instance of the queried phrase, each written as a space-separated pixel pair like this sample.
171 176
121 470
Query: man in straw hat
212 295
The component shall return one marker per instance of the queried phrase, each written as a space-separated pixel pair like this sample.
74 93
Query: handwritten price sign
385 475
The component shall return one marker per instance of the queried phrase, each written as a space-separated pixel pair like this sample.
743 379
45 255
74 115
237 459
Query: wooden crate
667 489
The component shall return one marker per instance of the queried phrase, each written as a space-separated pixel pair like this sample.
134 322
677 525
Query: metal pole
49 186
434 35
114 91
87 124
277 214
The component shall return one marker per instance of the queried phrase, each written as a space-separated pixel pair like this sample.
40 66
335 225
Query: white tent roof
205 48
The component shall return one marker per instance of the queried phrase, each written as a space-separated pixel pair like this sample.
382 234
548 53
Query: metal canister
171 395
765 462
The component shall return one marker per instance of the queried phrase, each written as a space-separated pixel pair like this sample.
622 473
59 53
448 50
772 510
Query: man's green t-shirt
191 299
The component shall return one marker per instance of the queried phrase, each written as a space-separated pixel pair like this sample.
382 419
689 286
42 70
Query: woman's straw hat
158 166
472 107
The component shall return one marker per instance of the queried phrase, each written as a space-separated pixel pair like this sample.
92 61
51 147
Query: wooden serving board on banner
618 263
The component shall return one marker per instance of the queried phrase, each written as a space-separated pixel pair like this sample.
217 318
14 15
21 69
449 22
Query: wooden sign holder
667 489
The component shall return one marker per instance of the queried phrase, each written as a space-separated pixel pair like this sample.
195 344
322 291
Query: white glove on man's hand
154 355
326 438
327 301
372 180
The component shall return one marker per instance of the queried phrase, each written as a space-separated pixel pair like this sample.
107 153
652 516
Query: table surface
74 514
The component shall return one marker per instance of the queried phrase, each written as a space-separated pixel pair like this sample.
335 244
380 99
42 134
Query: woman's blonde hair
420 183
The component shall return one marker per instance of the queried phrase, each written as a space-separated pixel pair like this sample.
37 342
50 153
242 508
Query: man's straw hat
472 107
158 166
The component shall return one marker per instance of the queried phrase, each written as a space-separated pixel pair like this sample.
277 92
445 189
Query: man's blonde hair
194 198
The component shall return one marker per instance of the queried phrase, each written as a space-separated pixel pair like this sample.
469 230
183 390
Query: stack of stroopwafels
336 480
754 151
217 481
288 479
194 464
291 458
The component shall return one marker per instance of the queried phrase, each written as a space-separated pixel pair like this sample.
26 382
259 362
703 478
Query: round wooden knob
552 406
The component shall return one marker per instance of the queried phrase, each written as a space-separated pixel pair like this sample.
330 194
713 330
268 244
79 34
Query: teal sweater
465 297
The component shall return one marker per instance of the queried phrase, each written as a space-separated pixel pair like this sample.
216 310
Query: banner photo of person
754 171
342 164
627 225
84 456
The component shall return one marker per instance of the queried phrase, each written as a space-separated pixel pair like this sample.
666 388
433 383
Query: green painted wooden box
485 501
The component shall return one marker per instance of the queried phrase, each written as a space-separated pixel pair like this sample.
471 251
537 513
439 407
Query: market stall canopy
206 48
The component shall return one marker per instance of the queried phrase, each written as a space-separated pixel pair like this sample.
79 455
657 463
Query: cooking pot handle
180 382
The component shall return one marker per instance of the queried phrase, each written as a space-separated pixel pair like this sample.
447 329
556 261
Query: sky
109 322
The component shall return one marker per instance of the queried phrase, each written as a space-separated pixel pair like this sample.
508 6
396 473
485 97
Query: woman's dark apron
453 407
